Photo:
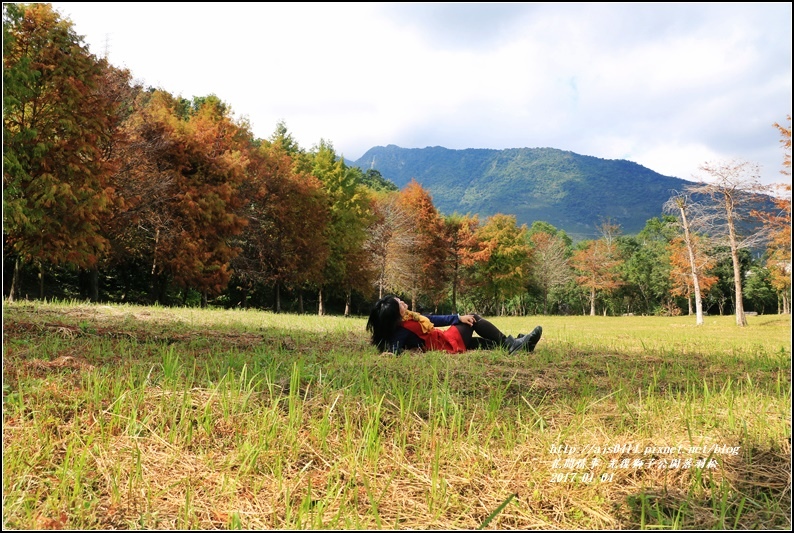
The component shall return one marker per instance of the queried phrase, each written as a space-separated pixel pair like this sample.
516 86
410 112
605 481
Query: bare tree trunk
592 302
41 281
455 281
693 265
278 297
154 293
736 184
320 310
94 289
741 319
14 281
347 303
154 252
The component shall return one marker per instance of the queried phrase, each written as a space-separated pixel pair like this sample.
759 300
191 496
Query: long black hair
383 321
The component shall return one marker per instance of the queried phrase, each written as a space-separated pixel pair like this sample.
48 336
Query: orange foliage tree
681 271
56 122
211 165
428 274
287 212
181 178
464 250
779 226
390 244
597 268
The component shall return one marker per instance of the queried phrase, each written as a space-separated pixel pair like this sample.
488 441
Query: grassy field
123 417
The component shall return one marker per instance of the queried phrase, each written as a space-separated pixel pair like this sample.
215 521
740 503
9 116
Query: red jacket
448 340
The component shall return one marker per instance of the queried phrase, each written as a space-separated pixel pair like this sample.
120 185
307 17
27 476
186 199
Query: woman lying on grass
394 328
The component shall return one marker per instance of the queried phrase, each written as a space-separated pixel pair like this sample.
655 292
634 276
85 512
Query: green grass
120 417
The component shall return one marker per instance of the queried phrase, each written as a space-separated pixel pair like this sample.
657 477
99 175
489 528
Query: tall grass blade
497 511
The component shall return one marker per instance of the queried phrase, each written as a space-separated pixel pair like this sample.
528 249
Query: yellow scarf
427 326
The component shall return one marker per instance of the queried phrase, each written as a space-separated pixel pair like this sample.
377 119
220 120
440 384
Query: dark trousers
489 335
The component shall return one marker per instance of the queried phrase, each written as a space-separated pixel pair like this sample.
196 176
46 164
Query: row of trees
116 192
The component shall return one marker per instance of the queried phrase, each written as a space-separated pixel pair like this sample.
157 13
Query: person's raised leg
487 330
491 337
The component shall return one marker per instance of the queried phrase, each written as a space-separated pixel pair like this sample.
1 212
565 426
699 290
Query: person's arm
451 320
441 321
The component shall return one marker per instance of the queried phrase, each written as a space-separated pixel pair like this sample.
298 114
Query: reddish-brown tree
213 166
779 226
464 251
180 179
597 269
390 242
287 213
686 259
56 122
429 274
145 182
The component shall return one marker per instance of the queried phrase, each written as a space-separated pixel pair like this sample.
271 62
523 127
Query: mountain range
572 192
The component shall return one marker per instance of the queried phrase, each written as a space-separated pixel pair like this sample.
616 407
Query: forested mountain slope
570 191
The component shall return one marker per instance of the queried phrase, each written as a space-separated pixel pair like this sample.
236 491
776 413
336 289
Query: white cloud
668 86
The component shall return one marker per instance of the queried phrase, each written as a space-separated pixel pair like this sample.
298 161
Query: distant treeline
119 193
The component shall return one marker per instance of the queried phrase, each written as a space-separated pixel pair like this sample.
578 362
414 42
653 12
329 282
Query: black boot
525 342
511 344
531 340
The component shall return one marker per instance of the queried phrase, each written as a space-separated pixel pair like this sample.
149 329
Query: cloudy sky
668 86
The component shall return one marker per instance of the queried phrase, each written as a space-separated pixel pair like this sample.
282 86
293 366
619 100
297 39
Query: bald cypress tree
57 120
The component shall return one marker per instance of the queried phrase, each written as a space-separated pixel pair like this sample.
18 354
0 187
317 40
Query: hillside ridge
571 191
